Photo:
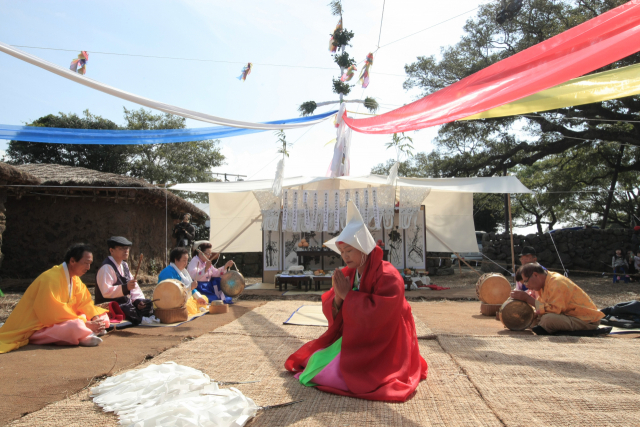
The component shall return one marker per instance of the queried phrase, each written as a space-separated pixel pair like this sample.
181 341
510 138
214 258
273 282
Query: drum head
232 283
516 315
170 294
493 288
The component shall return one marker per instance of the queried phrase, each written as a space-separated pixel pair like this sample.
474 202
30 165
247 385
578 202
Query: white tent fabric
236 219
171 109
496 184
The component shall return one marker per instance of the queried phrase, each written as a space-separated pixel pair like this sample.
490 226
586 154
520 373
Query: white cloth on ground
172 395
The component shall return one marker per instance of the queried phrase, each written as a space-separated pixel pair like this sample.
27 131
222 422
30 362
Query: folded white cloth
172 395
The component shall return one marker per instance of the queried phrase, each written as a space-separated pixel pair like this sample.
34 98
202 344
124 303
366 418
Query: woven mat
173 325
553 381
267 321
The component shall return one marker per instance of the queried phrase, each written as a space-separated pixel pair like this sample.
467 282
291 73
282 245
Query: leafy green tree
491 147
105 158
155 163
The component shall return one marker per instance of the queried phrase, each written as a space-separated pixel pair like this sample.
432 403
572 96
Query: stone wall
439 264
588 249
39 231
249 263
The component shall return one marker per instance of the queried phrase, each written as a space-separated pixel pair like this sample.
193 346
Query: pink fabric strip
331 375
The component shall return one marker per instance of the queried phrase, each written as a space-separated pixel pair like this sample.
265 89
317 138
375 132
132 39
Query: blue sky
282 32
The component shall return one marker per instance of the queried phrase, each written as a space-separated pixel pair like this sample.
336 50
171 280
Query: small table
318 280
327 253
298 281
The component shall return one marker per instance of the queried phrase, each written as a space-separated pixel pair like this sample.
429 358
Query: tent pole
513 258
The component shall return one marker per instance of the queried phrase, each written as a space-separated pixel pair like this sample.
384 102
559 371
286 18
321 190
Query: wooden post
513 258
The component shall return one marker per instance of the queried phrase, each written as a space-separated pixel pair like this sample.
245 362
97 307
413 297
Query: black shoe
539 330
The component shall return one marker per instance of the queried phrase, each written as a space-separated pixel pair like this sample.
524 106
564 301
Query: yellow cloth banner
598 87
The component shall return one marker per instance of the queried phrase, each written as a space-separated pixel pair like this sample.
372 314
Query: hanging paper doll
364 76
246 71
80 64
348 74
333 48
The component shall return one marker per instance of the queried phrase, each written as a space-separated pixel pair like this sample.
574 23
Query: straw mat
553 381
267 321
260 286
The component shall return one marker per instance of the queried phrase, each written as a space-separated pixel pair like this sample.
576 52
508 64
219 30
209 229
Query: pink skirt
70 332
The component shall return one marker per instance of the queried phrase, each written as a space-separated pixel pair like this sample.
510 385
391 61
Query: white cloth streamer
171 395
171 109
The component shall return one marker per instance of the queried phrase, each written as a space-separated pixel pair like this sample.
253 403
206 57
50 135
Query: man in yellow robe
560 304
57 308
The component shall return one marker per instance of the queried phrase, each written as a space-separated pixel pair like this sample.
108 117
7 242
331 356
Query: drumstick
138 269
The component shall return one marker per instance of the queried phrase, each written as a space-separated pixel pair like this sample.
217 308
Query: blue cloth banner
133 137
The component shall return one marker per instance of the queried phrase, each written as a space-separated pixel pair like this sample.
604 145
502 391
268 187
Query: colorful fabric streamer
79 64
245 71
580 50
364 76
348 74
140 137
589 89
333 48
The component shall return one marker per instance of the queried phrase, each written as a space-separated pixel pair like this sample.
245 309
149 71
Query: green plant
371 104
344 60
341 87
282 140
307 108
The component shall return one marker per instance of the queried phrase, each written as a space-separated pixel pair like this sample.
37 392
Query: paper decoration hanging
270 209
79 64
294 219
333 48
325 212
410 200
348 74
245 71
285 209
364 75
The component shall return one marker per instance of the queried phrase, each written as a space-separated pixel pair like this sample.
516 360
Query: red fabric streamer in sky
598 42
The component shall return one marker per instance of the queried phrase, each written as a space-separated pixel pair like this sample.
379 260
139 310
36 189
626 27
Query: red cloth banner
598 42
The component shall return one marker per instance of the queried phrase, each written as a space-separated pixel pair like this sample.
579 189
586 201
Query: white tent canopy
236 217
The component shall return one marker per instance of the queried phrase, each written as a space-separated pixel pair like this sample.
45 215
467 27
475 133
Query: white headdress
355 233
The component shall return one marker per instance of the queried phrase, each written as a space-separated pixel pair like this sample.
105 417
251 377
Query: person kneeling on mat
206 274
561 305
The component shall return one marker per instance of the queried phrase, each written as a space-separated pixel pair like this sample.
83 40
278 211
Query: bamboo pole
513 257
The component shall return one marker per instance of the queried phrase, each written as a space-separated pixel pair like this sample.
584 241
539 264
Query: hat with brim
528 250
118 241
355 233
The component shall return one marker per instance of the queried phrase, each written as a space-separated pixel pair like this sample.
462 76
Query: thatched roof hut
118 188
49 207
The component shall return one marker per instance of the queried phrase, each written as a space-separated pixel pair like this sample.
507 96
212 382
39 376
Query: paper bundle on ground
172 395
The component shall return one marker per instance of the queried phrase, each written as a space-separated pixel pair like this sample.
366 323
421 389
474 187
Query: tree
489 147
104 158
155 163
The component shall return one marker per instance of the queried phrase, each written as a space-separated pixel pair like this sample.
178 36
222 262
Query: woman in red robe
370 349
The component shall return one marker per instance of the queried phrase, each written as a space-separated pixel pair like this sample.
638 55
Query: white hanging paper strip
285 209
345 196
294 212
314 215
365 207
386 204
356 200
305 205
172 395
276 188
325 212
270 208
410 200
336 210
376 211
